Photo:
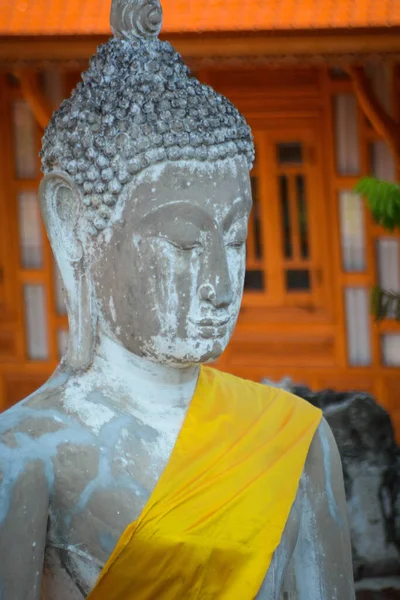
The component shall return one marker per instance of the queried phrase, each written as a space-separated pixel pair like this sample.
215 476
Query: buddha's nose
218 295
215 279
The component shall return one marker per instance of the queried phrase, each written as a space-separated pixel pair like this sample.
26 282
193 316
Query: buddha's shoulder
43 415
323 457
253 391
323 454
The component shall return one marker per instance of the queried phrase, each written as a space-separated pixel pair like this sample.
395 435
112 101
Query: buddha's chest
99 489
76 555
79 541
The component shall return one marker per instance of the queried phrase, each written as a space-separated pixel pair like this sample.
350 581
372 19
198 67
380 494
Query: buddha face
169 277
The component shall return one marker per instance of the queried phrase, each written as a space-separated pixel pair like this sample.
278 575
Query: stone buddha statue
146 198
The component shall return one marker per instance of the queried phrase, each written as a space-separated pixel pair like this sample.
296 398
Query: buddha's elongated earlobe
60 203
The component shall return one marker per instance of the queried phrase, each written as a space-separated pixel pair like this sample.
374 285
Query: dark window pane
302 211
256 216
25 151
30 231
290 153
338 73
12 80
286 225
254 280
298 280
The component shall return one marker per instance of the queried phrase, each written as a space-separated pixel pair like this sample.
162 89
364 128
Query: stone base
378 589
388 594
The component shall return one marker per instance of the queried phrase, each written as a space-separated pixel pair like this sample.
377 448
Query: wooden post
34 97
382 122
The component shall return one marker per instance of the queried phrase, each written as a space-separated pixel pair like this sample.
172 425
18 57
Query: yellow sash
217 514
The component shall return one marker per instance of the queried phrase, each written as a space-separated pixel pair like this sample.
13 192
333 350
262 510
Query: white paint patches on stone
112 309
75 402
157 395
327 461
154 172
307 558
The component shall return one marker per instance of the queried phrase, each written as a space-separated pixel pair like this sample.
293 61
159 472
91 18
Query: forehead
213 187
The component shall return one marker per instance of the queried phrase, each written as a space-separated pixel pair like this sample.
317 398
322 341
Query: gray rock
371 467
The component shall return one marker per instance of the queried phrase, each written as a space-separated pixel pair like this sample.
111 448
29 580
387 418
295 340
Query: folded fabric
217 514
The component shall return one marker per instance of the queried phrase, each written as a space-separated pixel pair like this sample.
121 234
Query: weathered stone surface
387 594
371 467
378 588
381 588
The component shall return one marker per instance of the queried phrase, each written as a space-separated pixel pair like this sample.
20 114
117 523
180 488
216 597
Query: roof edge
258 46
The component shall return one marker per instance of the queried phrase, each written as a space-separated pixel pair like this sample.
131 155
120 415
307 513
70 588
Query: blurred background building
319 82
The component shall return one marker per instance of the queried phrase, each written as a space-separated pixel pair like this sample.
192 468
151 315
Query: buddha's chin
213 355
188 351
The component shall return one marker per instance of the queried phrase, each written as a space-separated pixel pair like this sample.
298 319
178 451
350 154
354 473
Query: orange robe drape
217 514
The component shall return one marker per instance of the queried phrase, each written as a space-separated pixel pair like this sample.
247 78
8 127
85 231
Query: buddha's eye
237 235
184 246
182 236
237 244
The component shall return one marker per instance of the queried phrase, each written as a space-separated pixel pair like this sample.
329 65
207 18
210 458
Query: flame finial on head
132 19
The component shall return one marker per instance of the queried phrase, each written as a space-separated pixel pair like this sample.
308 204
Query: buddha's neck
145 381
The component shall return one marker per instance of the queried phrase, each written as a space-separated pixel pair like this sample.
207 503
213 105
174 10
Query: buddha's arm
23 522
322 557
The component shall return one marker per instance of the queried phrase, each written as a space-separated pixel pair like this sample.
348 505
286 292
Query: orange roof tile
90 17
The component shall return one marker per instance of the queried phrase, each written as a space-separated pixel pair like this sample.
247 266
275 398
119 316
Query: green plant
383 200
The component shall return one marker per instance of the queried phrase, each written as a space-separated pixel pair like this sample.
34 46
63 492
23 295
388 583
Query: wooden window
255 275
284 266
388 263
369 254
62 342
24 130
294 225
382 161
380 76
358 328
347 138
38 289
30 231
36 322
289 153
352 225
391 349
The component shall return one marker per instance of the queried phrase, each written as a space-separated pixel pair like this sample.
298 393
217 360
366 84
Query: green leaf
383 199
385 304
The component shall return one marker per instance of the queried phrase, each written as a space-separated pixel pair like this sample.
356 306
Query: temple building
319 82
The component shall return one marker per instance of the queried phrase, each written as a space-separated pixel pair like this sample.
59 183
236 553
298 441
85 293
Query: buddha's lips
210 328
211 322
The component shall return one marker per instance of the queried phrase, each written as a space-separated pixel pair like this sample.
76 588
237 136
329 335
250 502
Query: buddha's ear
60 201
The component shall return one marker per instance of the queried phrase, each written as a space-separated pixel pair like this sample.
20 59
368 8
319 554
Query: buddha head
146 197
